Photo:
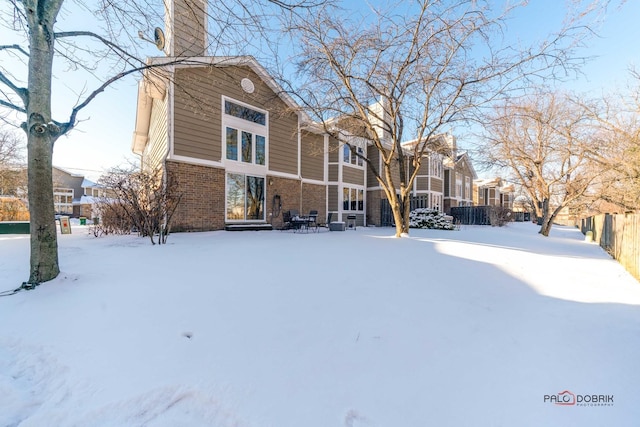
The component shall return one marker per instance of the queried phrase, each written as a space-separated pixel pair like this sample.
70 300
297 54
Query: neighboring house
74 195
429 182
493 192
67 189
459 175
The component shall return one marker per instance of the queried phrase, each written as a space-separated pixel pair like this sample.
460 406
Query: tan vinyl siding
333 198
198 114
447 183
373 155
334 150
333 173
157 146
197 120
283 142
422 183
395 173
312 159
189 28
424 166
436 185
352 175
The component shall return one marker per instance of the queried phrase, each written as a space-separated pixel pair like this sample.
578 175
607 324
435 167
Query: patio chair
291 220
313 220
286 220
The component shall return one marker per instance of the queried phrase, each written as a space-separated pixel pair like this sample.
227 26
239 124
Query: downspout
169 119
300 162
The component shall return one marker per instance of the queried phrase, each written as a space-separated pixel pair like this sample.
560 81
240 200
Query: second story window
435 162
352 158
467 187
245 133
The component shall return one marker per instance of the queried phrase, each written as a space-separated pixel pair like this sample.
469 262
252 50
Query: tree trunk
546 227
41 134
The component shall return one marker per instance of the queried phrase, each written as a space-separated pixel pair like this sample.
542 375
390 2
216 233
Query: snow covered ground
346 329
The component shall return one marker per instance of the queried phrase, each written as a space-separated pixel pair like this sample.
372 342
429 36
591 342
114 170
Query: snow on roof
87 183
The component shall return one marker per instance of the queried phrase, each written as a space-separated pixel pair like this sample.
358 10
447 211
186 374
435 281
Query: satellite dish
158 37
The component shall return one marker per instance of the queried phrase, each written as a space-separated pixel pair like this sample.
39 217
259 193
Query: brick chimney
186 28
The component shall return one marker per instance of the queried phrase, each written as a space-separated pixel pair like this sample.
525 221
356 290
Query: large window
352 199
245 197
458 185
245 134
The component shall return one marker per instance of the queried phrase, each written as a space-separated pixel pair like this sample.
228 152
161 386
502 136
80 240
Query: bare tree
107 53
144 200
412 72
545 143
12 171
617 129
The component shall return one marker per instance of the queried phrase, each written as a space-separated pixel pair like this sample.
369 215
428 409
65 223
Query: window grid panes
352 199
352 158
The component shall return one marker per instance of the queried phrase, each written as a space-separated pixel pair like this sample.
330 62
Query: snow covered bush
429 218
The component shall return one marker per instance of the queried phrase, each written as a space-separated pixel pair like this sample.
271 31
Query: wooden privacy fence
619 235
386 215
472 215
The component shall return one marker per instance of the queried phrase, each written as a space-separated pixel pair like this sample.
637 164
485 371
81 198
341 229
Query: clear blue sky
103 139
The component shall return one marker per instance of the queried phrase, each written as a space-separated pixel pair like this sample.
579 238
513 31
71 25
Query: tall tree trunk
41 134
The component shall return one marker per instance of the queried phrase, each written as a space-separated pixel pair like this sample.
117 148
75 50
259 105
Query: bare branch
15 47
21 92
12 106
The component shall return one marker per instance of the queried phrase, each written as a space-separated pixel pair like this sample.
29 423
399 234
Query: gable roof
71 174
463 157
152 80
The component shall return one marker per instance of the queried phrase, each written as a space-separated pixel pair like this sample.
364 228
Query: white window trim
242 221
357 188
64 192
244 125
358 143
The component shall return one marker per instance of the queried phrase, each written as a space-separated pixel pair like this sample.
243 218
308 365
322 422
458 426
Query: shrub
499 216
429 218
141 201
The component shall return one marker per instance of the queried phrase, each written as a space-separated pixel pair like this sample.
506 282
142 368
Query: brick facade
314 197
373 207
201 207
290 193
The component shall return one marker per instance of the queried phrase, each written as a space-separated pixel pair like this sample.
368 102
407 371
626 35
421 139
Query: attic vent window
247 85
